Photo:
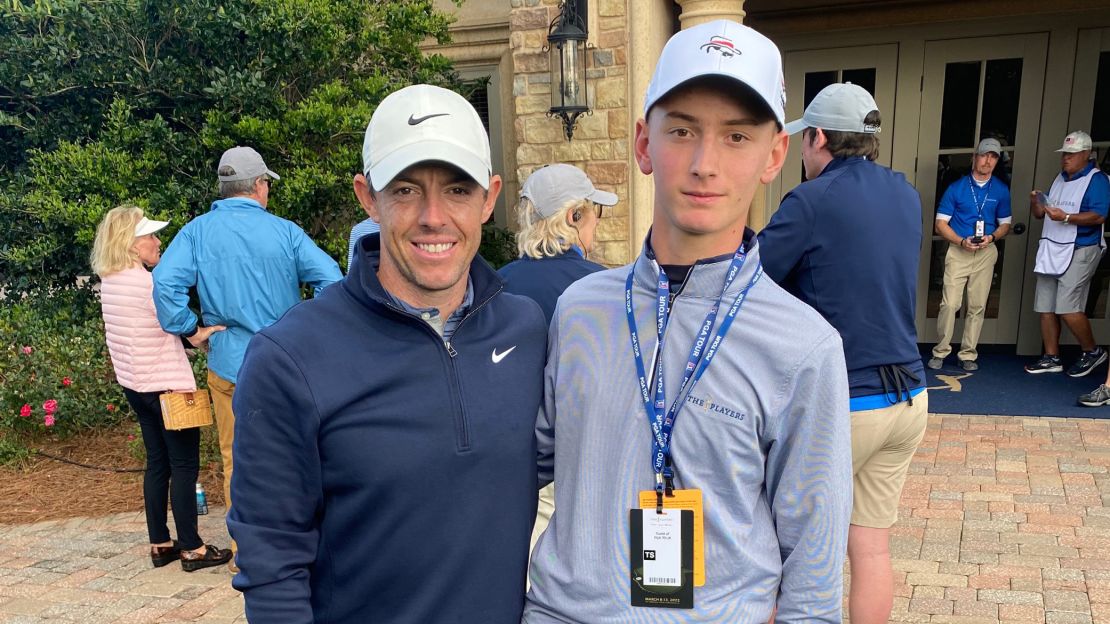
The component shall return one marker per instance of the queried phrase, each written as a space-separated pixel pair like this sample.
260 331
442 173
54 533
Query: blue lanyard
660 419
975 198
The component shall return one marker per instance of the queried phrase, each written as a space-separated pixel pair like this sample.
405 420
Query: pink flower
48 420
50 406
130 437
27 350
25 411
66 381
110 407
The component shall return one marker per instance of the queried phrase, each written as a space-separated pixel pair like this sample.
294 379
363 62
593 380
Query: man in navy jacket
846 242
385 455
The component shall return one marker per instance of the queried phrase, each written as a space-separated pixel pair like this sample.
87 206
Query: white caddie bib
1057 242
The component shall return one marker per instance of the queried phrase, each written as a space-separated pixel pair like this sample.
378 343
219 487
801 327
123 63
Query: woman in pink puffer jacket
148 362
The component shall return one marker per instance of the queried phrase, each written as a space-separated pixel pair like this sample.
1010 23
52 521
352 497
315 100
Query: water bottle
202 501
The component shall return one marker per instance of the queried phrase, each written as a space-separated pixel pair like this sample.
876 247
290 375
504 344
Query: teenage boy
386 454
743 387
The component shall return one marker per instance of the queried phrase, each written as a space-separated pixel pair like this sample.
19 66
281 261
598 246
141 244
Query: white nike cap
1076 142
422 123
721 48
841 107
146 226
552 187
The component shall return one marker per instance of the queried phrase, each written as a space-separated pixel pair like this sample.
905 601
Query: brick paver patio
1005 519
1002 520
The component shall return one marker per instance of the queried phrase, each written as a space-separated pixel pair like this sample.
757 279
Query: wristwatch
1066 217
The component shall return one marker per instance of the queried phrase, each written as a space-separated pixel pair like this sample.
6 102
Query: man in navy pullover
846 242
386 457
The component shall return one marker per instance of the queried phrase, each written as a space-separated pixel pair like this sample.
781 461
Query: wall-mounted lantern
566 43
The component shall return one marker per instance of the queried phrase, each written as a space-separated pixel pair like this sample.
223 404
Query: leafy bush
498 245
133 101
55 372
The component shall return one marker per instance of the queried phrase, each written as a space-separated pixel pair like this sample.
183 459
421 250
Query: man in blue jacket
846 242
386 451
973 214
247 266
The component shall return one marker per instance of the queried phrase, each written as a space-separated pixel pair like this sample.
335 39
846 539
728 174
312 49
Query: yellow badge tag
685 499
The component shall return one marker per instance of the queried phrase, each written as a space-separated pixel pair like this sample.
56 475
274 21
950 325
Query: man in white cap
846 242
733 497
387 460
1070 248
247 266
973 214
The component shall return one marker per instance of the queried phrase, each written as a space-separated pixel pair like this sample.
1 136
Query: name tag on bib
662 558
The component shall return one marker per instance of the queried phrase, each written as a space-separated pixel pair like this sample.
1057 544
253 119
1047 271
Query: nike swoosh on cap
413 121
497 357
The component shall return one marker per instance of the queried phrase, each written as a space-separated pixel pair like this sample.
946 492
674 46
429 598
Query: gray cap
1076 142
841 107
989 145
245 164
552 187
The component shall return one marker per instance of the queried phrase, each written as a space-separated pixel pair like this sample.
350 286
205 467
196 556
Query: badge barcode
662 580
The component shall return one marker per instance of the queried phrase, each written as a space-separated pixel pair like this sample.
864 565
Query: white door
973 89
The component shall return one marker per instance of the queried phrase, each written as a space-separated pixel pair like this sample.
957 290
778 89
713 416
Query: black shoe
969 365
1087 362
191 562
164 555
1047 364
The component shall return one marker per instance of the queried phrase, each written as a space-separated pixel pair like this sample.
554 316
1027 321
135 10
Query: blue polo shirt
1096 199
963 199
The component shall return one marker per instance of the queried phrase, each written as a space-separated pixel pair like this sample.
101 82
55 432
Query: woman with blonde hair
148 362
559 210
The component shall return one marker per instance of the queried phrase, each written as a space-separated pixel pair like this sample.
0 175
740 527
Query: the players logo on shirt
721 45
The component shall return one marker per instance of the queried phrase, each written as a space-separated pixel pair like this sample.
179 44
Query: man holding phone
973 214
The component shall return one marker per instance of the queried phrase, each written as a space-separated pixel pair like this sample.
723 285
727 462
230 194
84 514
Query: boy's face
707 154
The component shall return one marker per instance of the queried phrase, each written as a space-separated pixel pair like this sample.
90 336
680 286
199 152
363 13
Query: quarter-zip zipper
462 422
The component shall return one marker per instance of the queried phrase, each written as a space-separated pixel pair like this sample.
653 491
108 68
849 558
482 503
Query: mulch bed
48 489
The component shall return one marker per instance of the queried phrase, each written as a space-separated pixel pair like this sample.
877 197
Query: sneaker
935 363
191 562
969 365
1100 396
1047 364
1087 362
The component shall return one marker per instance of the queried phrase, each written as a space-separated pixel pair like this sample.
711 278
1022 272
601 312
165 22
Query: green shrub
55 372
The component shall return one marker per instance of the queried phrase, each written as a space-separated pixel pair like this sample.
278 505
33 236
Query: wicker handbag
183 410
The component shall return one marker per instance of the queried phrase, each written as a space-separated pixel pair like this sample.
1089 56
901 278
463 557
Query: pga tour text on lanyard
661 419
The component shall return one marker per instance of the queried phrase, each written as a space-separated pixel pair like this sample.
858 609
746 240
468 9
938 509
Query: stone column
696 12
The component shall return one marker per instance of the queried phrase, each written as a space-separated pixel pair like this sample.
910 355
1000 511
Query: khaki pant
973 270
884 442
221 391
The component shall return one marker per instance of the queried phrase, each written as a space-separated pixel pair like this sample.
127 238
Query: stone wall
601 141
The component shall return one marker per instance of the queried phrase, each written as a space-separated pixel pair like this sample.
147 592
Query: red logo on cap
722 45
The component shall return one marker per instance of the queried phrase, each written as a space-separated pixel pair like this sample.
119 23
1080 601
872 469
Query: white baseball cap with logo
552 187
840 107
1075 142
721 48
422 123
146 226
245 164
